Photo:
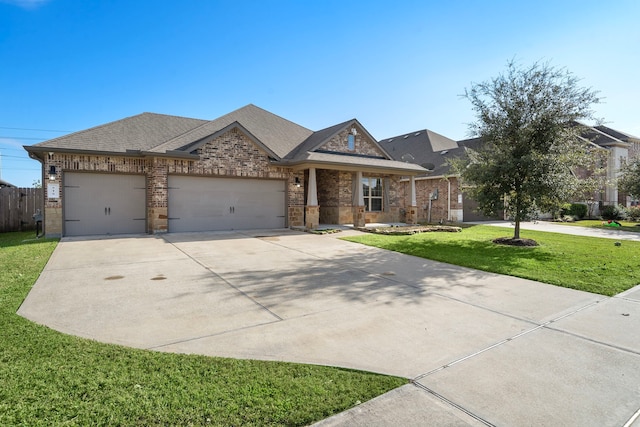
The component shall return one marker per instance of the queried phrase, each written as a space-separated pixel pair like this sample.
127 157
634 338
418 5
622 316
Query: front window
372 190
351 142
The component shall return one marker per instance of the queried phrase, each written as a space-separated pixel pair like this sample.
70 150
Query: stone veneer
363 145
439 207
335 197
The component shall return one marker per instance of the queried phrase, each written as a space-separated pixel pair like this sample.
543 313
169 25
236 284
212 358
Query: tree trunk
516 231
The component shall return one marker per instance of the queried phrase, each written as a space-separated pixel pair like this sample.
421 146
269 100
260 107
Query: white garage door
96 203
209 204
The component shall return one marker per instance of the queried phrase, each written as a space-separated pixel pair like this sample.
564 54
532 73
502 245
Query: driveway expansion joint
544 325
452 403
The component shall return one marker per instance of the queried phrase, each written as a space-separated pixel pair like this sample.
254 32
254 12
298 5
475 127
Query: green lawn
48 378
598 223
585 263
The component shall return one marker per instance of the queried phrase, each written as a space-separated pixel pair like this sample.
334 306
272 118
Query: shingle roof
318 138
4 183
315 139
423 147
141 132
616 133
281 138
278 134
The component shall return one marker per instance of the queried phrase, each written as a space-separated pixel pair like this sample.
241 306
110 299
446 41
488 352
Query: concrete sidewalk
554 227
479 348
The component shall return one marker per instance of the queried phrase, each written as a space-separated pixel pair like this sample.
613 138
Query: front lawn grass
48 378
585 263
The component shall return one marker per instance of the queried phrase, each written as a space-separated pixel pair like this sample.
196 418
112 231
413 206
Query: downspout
448 200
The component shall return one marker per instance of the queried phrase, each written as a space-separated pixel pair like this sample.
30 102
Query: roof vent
417 133
407 157
390 140
406 136
443 152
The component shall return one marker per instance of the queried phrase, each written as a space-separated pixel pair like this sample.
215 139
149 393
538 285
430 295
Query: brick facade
362 144
230 155
233 154
440 206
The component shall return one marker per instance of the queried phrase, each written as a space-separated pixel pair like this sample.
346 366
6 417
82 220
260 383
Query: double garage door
209 204
99 204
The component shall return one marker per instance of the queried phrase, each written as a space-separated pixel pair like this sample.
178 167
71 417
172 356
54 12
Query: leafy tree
527 121
630 180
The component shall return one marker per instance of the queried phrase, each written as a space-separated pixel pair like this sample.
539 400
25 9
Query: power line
37 130
21 137
15 157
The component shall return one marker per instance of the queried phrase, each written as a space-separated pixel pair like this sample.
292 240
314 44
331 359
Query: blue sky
396 66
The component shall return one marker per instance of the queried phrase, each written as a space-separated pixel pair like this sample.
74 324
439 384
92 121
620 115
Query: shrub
564 210
613 212
633 213
578 210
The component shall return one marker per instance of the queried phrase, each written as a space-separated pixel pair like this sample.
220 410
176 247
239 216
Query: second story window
351 142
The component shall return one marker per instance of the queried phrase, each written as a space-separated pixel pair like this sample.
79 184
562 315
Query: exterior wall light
52 173
297 182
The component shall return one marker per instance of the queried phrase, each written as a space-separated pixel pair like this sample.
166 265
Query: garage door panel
209 204
104 204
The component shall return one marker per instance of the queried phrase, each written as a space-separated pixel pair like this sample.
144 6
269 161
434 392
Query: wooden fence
17 206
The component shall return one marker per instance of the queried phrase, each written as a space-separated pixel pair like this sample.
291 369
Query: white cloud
26 4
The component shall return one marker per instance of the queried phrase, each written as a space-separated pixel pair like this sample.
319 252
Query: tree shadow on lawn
477 254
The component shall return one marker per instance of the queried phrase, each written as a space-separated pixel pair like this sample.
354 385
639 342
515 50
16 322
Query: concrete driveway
480 348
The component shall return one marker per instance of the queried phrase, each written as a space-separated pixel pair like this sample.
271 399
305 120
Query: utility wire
21 137
11 149
15 157
37 130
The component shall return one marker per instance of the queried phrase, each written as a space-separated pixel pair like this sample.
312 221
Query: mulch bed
515 242
411 229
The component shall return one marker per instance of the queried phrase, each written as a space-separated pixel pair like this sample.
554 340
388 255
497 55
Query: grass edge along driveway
585 263
49 378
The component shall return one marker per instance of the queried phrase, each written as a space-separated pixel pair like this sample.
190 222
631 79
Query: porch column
358 202
312 210
412 209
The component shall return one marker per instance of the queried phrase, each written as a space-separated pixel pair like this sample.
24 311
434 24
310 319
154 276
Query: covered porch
339 195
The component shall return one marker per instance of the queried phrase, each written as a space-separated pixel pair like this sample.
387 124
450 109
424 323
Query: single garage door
96 203
209 204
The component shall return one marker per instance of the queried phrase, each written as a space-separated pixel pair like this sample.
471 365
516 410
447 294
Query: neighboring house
620 148
439 195
6 184
249 169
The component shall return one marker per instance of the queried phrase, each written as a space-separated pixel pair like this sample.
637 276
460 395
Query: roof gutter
305 164
34 150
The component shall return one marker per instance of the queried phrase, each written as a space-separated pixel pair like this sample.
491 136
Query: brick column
358 202
157 197
358 216
412 210
412 215
312 217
